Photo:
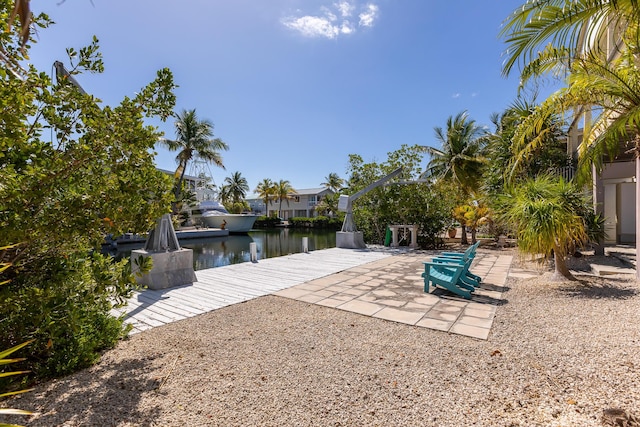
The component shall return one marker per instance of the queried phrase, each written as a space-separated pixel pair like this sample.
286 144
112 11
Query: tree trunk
463 239
561 272
473 236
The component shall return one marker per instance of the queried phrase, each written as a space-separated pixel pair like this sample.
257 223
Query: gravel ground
558 355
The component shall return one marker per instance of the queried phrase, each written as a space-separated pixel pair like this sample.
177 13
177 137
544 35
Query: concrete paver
393 289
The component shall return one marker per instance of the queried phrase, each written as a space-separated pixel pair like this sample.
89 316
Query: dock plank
222 286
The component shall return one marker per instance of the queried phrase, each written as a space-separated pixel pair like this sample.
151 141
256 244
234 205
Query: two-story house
302 203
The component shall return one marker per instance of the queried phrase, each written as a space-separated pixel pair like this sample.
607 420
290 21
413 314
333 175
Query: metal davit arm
345 203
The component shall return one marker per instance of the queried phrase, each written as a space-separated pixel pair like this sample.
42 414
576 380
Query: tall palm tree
283 192
548 215
460 157
333 182
193 139
265 190
235 187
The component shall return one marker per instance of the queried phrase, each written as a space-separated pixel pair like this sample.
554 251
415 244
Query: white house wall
614 195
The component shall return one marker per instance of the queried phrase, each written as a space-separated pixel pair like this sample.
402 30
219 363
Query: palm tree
547 214
595 42
235 187
193 139
283 191
333 182
509 162
329 204
545 36
460 157
265 190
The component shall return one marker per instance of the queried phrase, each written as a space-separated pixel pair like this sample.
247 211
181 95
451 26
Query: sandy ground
558 355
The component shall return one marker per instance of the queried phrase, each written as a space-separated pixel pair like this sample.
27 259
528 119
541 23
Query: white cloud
312 26
455 95
369 15
345 8
333 20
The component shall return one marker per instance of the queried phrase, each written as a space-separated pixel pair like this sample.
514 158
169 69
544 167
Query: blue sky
295 86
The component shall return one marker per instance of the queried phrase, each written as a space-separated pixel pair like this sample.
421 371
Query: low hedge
267 222
321 222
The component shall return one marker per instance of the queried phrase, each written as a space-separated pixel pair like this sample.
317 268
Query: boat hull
234 223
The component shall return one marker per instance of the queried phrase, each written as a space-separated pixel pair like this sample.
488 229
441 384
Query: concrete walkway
393 289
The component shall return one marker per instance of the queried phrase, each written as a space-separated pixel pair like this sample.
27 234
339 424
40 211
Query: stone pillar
414 236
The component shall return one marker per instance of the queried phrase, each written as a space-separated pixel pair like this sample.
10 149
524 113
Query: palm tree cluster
595 45
271 191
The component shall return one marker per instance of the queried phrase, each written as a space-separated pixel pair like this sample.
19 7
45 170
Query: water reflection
234 249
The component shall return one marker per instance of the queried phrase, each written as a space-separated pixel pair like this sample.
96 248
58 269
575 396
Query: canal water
234 249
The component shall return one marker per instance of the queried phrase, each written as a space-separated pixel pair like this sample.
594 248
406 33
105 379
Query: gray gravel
558 355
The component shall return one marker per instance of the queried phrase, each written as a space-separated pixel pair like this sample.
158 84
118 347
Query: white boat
214 215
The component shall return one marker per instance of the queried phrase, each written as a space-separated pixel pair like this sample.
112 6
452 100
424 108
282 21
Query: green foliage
193 140
238 207
511 162
234 190
549 217
472 216
4 360
320 222
267 222
460 156
60 197
428 206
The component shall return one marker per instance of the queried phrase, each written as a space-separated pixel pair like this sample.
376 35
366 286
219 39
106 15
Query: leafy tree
60 197
412 202
193 139
235 187
548 215
265 190
472 216
333 182
282 192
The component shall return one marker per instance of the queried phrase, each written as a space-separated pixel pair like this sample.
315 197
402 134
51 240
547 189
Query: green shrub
72 171
319 222
267 222
64 304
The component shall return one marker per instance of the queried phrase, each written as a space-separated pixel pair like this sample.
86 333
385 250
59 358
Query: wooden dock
222 286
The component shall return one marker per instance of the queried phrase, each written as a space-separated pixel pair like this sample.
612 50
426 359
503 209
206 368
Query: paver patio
382 283
393 289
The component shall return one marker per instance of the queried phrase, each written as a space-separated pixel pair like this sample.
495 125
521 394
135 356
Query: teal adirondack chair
444 275
467 279
469 253
467 258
